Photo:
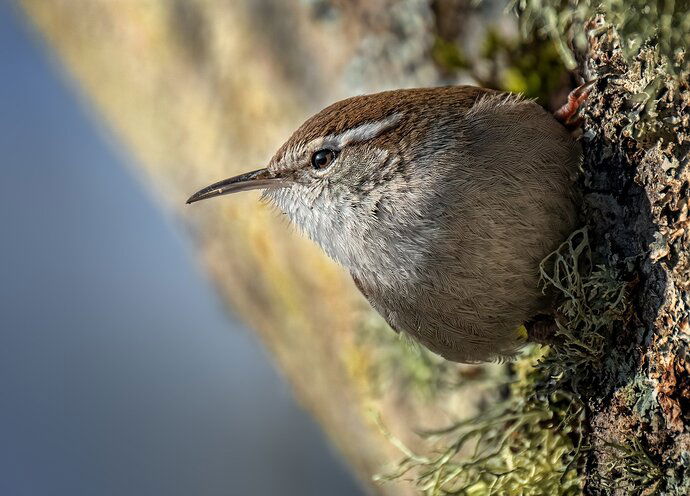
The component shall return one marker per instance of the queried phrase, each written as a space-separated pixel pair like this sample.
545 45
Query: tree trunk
637 197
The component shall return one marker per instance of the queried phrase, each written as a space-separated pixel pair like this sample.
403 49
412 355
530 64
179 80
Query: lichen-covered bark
637 197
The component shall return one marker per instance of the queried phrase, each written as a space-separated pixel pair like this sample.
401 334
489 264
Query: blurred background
120 370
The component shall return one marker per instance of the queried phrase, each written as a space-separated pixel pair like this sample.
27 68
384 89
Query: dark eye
322 159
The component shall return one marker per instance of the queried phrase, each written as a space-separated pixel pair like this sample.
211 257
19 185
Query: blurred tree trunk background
200 90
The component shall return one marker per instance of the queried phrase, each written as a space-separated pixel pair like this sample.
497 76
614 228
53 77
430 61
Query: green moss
533 66
448 55
662 23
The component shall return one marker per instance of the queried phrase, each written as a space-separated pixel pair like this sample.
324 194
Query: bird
440 202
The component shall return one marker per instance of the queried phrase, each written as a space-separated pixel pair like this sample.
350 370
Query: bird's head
358 177
339 176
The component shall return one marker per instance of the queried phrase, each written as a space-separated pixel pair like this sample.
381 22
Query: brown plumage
440 202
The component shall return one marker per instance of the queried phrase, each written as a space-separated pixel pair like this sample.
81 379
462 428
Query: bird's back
502 198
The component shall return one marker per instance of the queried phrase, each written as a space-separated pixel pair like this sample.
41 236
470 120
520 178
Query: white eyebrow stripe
363 132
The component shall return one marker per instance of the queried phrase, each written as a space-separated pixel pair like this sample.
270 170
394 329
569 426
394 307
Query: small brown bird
441 202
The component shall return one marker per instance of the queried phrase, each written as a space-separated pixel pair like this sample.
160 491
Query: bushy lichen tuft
630 470
593 300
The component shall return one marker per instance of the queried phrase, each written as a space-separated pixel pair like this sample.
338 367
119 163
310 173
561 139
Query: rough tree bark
200 90
637 198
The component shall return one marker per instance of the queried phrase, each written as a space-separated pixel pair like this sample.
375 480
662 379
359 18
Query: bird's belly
463 319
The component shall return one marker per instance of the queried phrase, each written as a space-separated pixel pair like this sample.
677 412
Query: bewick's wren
440 202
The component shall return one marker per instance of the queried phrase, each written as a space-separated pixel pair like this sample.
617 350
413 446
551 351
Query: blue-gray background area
120 373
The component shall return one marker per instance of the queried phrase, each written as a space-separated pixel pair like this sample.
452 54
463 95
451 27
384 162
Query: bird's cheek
308 193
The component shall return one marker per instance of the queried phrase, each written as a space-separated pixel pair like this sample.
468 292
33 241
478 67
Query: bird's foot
542 329
568 114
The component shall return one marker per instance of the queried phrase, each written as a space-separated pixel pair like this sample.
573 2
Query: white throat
366 246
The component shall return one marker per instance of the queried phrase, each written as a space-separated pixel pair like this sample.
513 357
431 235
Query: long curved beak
257 179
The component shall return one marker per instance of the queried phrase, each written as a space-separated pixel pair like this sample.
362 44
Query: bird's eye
322 159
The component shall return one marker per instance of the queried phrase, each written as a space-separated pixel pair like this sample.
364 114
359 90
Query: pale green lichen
522 445
630 469
593 300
